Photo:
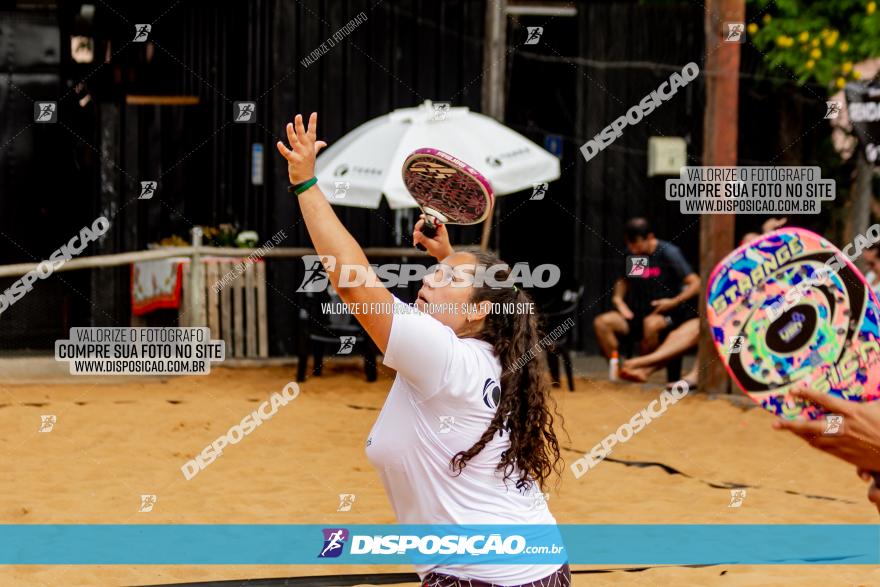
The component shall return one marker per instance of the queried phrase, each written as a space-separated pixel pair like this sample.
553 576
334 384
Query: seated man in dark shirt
654 297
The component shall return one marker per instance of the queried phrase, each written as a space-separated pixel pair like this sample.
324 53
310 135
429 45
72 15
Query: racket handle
430 231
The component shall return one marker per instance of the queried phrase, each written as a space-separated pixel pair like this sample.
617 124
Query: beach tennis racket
448 190
781 319
778 323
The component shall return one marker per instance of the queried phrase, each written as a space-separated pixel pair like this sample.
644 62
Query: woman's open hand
303 148
858 439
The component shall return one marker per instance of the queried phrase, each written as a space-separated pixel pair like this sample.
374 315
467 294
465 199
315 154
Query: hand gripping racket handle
430 231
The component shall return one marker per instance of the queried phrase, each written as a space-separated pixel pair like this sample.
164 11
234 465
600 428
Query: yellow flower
847 67
752 28
857 74
831 39
804 37
844 47
840 82
815 42
783 41
824 33
872 6
767 18
810 64
816 53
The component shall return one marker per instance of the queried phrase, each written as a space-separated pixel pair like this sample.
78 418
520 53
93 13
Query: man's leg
691 378
676 343
608 327
652 326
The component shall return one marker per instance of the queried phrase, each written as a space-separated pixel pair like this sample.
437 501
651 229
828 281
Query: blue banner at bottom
630 544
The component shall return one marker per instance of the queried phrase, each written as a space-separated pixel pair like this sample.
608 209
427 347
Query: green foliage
816 40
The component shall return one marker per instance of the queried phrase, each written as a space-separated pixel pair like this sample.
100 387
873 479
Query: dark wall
584 72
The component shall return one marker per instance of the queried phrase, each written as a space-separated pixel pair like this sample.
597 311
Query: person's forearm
619 292
691 290
329 236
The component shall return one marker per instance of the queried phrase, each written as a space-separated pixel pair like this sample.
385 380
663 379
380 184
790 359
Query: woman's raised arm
369 302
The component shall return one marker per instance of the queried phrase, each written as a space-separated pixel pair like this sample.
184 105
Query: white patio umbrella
366 163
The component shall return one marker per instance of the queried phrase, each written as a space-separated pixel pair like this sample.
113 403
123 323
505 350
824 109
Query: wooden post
721 71
195 294
494 67
859 213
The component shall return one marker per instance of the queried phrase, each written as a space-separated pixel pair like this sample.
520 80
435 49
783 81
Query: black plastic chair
317 330
561 347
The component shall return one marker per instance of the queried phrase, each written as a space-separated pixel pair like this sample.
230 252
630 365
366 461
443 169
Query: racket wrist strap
299 188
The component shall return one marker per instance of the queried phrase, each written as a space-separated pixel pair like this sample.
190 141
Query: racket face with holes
799 321
441 183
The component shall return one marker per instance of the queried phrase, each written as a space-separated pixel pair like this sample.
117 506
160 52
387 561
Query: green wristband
301 187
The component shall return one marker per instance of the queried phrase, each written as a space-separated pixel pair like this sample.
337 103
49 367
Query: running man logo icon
346 345
47 423
341 189
45 112
735 345
147 503
538 191
539 500
833 425
446 423
148 188
833 109
346 500
637 266
315 279
334 541
441 109
245 112
735 32
141 32
534 34
737 496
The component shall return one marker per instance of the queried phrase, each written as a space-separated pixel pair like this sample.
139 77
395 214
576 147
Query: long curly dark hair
526 409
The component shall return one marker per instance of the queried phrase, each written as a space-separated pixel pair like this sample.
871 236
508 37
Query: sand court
113 442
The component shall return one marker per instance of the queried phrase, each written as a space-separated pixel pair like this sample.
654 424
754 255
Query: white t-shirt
442 400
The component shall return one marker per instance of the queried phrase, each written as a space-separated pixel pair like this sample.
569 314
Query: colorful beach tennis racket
778 323
448 190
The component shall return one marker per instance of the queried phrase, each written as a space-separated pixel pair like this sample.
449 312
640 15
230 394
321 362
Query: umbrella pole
487 230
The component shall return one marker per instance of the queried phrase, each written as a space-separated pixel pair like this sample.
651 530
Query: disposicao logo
334 541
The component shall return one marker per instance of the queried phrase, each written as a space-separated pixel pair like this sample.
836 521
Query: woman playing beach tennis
461 439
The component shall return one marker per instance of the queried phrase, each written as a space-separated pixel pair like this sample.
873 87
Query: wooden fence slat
213 301
238 317
262 332
250 303
226 307
183 318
